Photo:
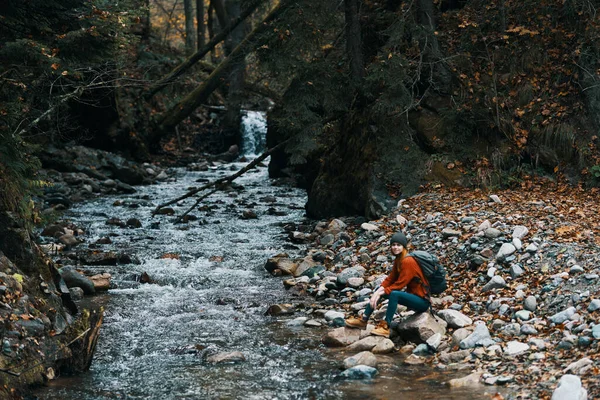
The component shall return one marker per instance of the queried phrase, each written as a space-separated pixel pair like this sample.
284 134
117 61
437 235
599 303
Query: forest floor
524 263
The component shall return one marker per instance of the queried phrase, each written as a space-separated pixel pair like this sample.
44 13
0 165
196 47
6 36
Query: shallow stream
209 294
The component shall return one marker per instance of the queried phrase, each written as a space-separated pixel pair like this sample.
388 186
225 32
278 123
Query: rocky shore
522 308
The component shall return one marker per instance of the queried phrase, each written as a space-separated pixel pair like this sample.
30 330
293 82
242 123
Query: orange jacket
406 273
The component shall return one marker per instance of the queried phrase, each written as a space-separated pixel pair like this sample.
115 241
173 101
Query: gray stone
563 316
519 232
341 337
459 335
76 293
576 269
363 358
355 282
455 319
479 337
384 347
530 303
492 233
579 367
299 321
497 282
448 233
517 243
369 227
366 344
532 248
528 329
73 278
435 341
420 327
515 348
594 305
331 315
351 272
483 226
472 380
226 358
505 250
516 271
523 315
313 323
569 388
495 198
596 331
359 372
513 329
422 350
455 356
327 239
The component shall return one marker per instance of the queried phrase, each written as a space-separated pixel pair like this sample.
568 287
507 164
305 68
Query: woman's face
397 248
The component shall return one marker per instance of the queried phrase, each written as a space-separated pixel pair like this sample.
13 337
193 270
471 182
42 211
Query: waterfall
254 132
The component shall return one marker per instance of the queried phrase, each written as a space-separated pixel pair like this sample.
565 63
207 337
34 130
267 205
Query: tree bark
210 22
181 68
353 39
232 118
190 33
184 108
200 24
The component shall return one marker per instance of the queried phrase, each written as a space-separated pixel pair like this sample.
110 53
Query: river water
210 291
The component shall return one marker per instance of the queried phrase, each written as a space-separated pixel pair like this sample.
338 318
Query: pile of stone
523 293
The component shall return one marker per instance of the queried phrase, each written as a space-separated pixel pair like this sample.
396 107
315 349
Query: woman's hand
376 296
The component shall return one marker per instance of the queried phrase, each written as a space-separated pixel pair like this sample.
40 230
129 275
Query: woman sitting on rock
405 273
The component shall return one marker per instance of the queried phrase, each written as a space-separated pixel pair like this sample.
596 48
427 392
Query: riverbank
522 306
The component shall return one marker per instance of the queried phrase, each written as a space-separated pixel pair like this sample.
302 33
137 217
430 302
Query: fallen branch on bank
218 184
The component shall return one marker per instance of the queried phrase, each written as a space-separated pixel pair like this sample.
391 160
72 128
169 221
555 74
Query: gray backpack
433 271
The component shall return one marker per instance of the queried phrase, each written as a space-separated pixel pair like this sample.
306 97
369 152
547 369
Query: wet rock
341 337
363 358
76 293
73 278
53 230
435 341
313 323
454 357
226 358
101 281
306 265
471 380
104 240
134 223
414 359
280 309
479 337
282 263
99 258
375 344
249 214
359 372
327 239
420 327
298 321
455 319
116 222
331 315
569 388
32 327
68 240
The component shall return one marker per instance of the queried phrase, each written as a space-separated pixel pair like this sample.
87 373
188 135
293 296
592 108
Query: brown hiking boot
353 322
381 329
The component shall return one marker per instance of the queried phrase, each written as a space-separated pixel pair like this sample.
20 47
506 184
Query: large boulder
375 344
420 327
73 278
341 337
569 388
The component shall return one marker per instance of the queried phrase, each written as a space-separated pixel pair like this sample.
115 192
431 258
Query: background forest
375 97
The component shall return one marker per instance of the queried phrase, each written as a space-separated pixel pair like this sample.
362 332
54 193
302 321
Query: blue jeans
411 301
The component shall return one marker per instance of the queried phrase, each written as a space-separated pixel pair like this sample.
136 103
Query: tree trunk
197 56
210 22
190 33
232 118
353 39
200 24
184 108
439 77
221 12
